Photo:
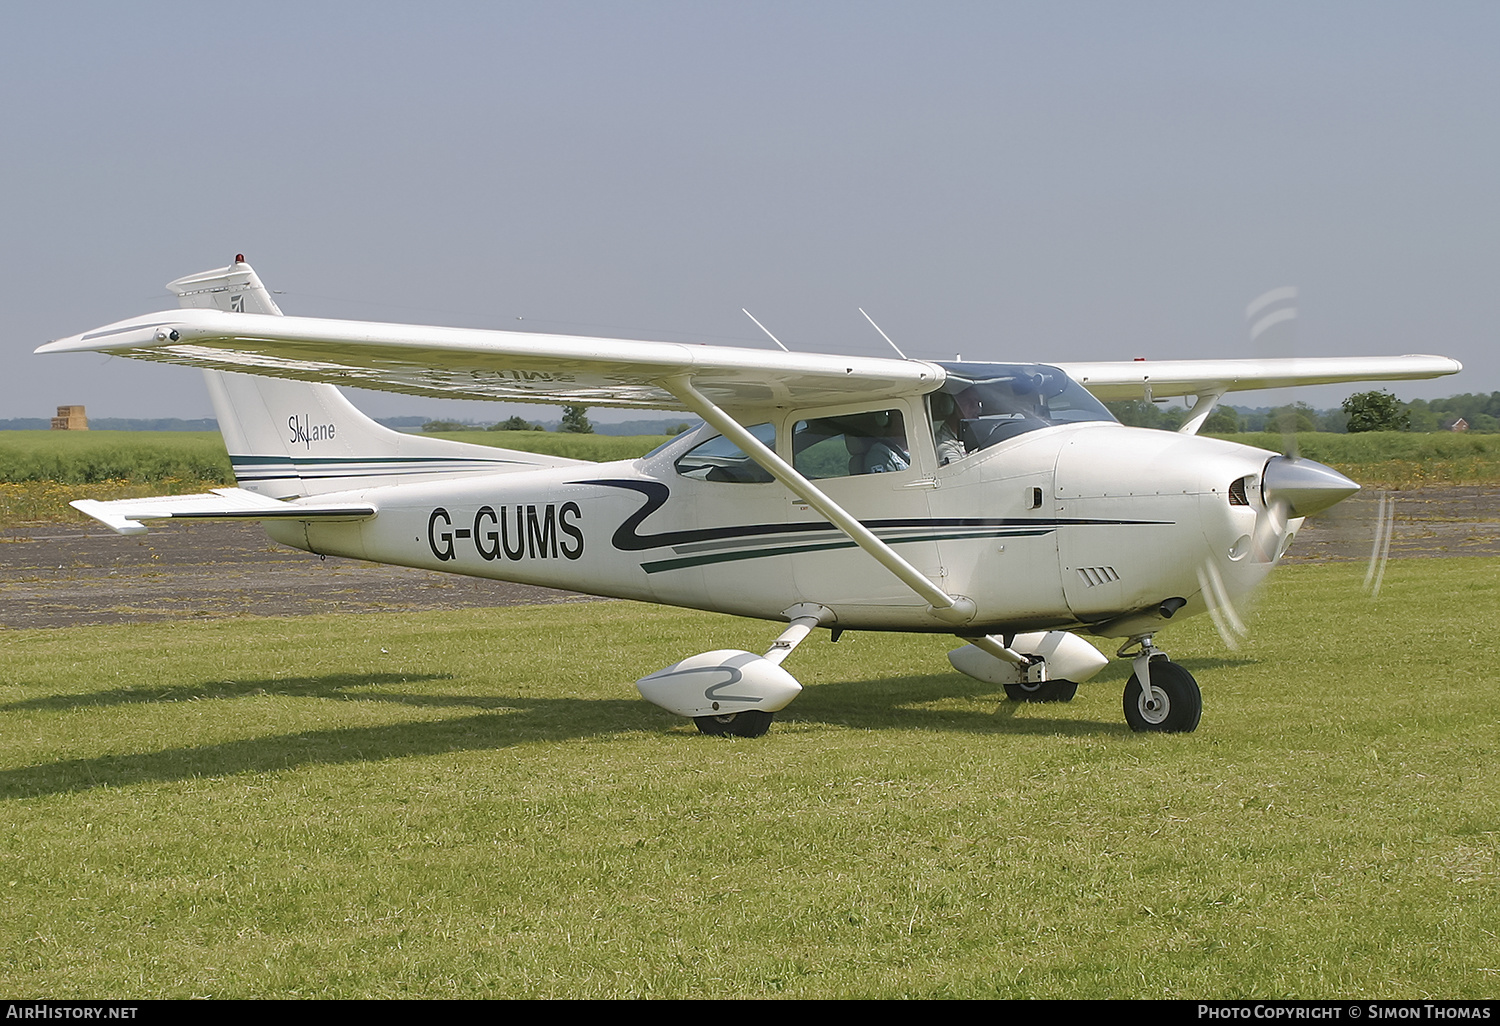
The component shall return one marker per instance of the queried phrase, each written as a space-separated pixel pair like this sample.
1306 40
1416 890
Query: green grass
475 804
92 457
599 448
42 471
1391 459
34 502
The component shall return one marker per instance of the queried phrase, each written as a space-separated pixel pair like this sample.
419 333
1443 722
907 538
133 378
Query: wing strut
1208 401
954 609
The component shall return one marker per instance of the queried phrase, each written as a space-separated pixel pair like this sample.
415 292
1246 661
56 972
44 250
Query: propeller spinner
1303 486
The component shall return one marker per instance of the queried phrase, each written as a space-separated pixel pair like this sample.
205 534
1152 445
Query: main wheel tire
1177 704
1045 691
753 723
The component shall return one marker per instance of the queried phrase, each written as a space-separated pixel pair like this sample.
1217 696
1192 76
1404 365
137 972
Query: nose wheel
1172 705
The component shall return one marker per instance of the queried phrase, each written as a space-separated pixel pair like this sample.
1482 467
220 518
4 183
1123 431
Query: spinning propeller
1290 487
1380 549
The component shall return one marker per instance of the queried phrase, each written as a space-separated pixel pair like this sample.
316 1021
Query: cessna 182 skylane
999 502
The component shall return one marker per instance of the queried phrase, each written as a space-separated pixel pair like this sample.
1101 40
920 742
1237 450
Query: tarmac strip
60 575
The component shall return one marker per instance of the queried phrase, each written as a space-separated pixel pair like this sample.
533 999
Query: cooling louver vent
1095 575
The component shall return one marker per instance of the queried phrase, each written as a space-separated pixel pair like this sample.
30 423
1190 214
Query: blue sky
1043 181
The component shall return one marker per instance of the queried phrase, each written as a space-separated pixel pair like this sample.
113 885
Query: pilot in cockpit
948 415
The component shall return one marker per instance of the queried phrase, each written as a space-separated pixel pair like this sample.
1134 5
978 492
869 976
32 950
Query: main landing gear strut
1160 695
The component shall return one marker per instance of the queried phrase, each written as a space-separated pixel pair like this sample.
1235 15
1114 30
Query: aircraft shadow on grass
333 685
505 720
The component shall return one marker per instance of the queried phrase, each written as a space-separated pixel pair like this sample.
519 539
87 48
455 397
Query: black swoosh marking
627 539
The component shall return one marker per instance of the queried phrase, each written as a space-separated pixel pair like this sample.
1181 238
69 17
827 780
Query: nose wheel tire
1044 691
1174 706
743 724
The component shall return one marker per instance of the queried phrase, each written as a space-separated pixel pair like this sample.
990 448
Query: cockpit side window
719 459
851 444
981 404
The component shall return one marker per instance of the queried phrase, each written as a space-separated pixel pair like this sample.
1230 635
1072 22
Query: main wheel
1044 691
753 723
1174 706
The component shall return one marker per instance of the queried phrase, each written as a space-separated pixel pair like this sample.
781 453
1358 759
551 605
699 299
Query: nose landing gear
1160 695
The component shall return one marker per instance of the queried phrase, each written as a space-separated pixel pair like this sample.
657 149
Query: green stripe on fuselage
657 566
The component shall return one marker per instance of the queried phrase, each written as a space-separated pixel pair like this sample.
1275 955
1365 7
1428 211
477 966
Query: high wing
463 363
468 363
1167 378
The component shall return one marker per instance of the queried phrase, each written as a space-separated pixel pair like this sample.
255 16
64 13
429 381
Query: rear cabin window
719 459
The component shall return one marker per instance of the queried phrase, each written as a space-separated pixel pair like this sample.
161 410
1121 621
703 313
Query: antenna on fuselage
762 327
882 334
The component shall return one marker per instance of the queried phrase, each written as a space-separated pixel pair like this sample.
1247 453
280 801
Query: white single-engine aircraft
999 502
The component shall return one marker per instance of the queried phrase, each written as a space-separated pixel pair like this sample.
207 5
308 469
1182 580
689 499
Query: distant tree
448 425
1222 422
1333 421
1130 412
575 420
1252 420
515 424
1376 411
1423 418
1481 411
1139 413
1296 417
677 429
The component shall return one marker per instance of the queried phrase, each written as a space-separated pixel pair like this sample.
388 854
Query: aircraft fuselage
1067 526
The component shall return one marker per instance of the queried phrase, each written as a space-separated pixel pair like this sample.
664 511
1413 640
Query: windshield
984 403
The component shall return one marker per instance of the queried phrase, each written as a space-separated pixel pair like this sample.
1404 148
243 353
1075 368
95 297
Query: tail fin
233 289
293 438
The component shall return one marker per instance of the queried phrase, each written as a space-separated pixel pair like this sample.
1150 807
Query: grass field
1391 459
475 804
93 457
599 448
42 471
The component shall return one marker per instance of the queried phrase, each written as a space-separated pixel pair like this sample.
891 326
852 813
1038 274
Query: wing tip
114 521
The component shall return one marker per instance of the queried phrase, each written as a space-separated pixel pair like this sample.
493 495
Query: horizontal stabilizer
125 515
